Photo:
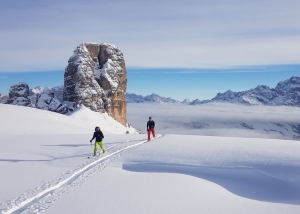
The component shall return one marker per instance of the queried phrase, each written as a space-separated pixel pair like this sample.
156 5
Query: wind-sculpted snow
263 170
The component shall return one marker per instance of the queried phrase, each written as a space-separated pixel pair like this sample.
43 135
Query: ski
98 154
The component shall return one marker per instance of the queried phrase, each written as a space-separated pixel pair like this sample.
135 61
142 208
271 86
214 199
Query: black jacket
98 135
150 124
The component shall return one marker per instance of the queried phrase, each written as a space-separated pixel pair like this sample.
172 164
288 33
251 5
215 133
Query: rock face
18 94
48 102
49 99
38 97
96 77
289 91
56 92
35 93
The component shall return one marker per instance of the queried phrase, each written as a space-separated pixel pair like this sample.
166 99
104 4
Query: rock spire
96 77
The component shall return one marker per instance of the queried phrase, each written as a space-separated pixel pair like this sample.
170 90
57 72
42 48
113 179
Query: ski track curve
40 198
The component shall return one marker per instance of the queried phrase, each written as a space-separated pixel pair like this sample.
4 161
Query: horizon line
218 69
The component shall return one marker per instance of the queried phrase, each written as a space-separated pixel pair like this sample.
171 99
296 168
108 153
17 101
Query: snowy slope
44 167
193 174
107 123
30 121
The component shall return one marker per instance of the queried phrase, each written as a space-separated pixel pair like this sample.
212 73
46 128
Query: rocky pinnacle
96 77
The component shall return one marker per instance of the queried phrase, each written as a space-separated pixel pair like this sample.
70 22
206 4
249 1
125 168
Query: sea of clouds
216 119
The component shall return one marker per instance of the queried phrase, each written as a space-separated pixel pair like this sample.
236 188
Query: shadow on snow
246 182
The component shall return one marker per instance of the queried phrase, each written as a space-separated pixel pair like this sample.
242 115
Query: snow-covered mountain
286 93
186 101
199 102
57 92
3 98
153 98
39 97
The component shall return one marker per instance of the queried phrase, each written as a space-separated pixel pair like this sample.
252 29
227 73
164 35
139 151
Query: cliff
96 77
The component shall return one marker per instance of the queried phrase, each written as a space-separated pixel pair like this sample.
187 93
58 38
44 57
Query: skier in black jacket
99 136
150 127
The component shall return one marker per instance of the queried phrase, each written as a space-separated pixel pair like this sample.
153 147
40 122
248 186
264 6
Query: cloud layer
217 119
41 35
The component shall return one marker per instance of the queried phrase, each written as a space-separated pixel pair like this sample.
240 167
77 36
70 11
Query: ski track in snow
42 197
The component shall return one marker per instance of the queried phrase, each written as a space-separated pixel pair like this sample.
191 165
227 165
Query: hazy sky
191 33
40 35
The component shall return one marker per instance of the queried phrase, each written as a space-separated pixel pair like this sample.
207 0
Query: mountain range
153 98
286 93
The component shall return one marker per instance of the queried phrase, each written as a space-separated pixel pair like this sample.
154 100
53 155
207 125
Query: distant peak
262 87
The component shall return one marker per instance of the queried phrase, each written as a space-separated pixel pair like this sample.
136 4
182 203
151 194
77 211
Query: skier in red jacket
150 127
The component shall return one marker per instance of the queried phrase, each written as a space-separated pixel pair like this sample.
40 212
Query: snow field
44 168
267 170
70 179
194 174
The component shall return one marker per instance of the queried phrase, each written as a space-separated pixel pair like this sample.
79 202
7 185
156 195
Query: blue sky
206 83
175 83
216 38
